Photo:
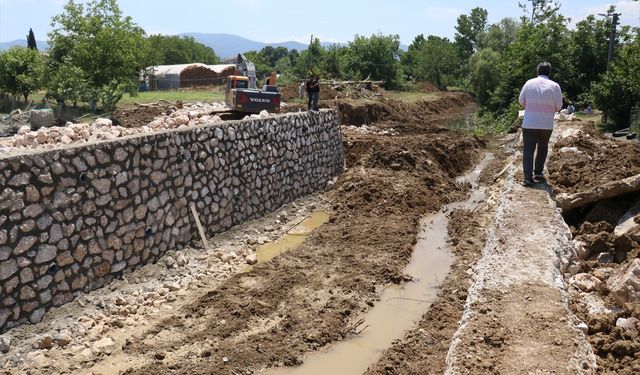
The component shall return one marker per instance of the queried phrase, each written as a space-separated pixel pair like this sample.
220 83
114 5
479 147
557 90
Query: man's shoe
539 178
527 182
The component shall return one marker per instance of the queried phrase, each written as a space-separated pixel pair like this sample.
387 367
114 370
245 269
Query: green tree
310 60
544 41
484 74
409 59
541 10
169 50
618 90
20 71
589 49
288 66
31 40
376 57
468 31
334 61
499 36
271 55
108 47
436 60
68 82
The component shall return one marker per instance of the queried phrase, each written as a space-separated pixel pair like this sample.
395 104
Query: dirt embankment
422 111
583 160
307 298
586 159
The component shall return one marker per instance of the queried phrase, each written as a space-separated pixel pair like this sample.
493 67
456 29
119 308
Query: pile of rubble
366 129
103 129
188 115
100 129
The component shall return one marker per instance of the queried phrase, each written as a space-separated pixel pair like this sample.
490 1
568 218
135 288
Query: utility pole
612 41
612 38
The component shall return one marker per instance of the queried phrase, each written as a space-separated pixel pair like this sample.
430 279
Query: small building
166 77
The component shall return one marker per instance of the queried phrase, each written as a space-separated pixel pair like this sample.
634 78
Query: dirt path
517 318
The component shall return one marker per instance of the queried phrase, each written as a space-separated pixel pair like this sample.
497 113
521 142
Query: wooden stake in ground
205 243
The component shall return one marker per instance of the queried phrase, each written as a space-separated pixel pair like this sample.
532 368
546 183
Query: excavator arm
248 69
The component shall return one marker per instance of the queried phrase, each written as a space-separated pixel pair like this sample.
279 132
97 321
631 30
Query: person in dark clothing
313 92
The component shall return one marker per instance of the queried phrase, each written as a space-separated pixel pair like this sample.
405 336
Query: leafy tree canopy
106 46
20 71
376 57
169 50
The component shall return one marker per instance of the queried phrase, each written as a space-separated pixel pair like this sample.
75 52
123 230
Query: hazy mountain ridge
229 45
225 45
42 45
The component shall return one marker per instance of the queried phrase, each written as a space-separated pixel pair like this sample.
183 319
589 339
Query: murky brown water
400 307
293 238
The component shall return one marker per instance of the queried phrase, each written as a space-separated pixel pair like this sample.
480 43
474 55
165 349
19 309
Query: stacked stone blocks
73 219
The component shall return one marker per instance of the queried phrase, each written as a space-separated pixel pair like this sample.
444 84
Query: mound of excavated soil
306 298
354 113
136 117
427 87
587 159
583 160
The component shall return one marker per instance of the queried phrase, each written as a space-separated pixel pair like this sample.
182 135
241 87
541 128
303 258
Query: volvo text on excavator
242 94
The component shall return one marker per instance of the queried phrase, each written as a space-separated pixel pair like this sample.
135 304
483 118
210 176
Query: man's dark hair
544 69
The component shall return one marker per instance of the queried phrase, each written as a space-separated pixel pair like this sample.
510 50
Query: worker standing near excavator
313 91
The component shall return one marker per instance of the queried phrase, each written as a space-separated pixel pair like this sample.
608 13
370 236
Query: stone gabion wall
73 219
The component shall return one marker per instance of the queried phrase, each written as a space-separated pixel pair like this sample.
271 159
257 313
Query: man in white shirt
541 99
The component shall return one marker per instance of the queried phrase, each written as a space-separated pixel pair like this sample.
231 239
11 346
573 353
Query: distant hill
42 45
225 45
228 45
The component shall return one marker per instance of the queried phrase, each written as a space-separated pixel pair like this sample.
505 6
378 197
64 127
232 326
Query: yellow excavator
242 94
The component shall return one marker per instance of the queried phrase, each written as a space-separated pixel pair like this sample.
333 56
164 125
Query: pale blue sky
281 20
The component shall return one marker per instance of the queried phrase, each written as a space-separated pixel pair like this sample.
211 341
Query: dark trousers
312 100
535 141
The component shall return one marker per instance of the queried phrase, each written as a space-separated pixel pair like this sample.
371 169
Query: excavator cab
242 95
233 83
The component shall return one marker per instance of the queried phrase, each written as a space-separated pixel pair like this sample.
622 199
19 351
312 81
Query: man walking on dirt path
541 98
313 92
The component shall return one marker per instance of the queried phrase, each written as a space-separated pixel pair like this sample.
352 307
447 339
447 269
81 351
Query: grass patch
202 95
208 94
412 96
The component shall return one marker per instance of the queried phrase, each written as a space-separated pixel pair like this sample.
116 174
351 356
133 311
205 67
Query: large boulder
625 283
585 282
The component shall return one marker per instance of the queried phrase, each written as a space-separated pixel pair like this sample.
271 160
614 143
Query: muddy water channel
293 238
400 306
